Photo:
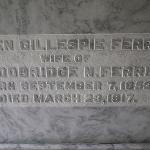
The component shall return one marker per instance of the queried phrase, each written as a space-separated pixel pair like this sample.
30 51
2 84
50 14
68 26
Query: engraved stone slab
75 70
27 125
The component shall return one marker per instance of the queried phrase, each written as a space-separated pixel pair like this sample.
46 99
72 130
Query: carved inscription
75 70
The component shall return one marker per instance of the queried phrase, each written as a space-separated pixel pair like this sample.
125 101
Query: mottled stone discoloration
74 125
69 16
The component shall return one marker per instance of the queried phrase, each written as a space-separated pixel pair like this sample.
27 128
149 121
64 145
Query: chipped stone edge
128 146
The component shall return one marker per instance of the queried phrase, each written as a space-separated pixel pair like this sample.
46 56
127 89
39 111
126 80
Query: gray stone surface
75 146
74 16
74 125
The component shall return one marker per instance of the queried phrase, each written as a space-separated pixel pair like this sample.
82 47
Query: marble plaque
75 70
114 33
